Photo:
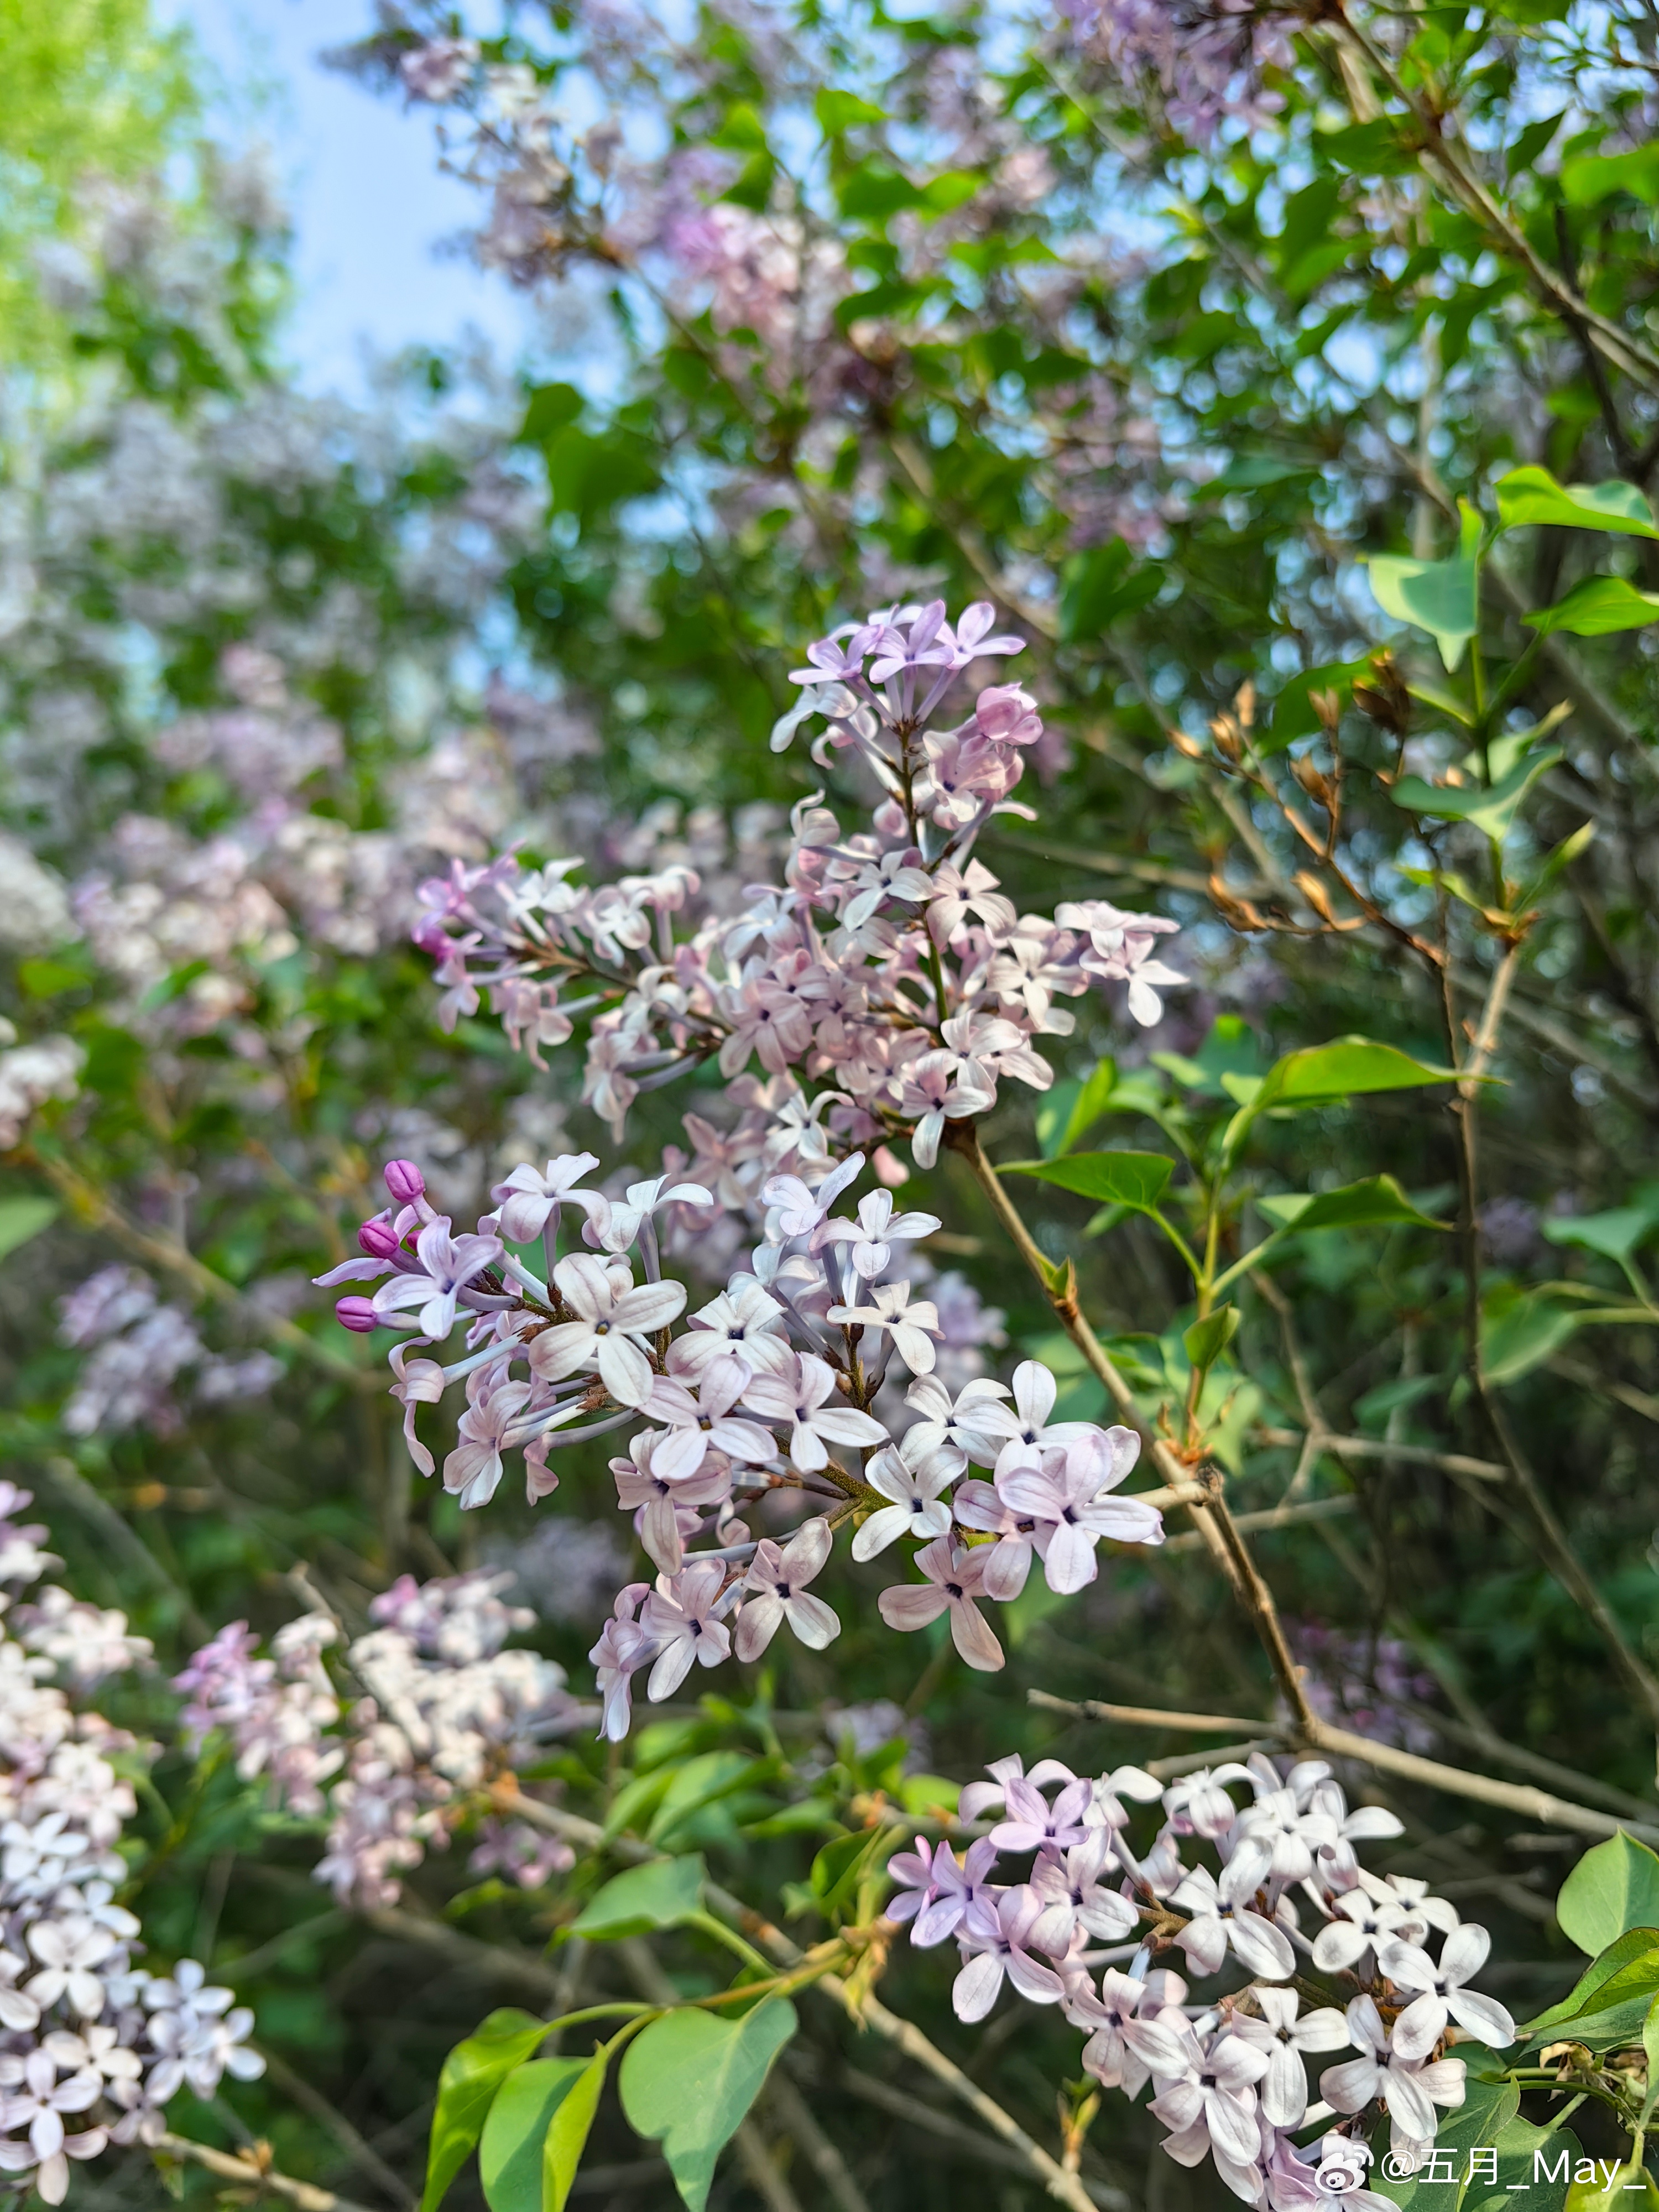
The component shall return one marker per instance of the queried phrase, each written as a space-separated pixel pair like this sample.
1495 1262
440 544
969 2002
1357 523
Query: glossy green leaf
1492 808
1532 495
1608 2007
1351 1067
1521 1333
1615 1235
690 2080
1207 1339
567 2138
1136 1179
21 1218
1490 2159
660 1895
1614 1889
1440 597
1376 1202
473 2073
1589 178
510 2148
1596 607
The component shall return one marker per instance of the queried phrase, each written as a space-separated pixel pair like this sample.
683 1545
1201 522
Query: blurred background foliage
842 307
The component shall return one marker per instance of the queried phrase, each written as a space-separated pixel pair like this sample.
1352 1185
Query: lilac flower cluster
445 1714
767 1389
140 1347
887 965
1286 1895
92 2047
1206 56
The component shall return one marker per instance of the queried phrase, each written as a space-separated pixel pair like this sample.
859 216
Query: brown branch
252 2172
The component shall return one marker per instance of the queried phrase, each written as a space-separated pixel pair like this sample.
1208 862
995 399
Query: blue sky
369 203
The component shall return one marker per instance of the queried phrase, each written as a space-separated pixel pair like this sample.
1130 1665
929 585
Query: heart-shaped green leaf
1613 1887
1596 607
690 2078
473 2073
1135 1179
1376 1201
658 1894
1532 495
510 2148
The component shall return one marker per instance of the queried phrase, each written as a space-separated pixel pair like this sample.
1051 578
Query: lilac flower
743 1321
528 1200
1024 1427
1120 950
958 1423
1206 2088
979 1797
658 1504
33 2097
1107 2054
909 1323
953 1584
1410 2089
877 1229
979 1506
683 1614
1285 2038
779 1577
802 1211
1216 1926
623 1649
1033 1824
806 1396
69 1950
1365 1922
1064 1496
614 1315
914 1476
1442 1996
997 1934
473 1470
448 1265
705 1422
957 1886
1074 1897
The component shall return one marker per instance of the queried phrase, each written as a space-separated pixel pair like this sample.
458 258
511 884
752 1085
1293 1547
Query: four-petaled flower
954 1581
914 1474
804 1396
614 1315
910 1323
779 1576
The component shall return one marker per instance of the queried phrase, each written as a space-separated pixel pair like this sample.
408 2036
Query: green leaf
1593 178
660 1895
1596 607
473 2073
690 2078
1099 585
701 1782
1614 1889
844 1863
1532 495
1071 1109
1348 1068
1441 597
1293 709
840 111
548 408
567 2139
1499 2160
1600 2185
1135 1179
1617 1971
1207 1339
510 2148
1521 1334
1491 807
21 1218
1376 1200
1615 1235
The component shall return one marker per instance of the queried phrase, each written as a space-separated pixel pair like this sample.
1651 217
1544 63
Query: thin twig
251 2171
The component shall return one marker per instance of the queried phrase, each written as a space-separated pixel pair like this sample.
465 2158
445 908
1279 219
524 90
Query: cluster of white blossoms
1285 1900
93 2046
779 1385
443 1712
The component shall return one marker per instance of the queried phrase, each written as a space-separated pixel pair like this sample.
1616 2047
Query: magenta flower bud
378 1238
357 1314
404 1181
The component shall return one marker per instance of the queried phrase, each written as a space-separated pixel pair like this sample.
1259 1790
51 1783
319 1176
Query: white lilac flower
1365 1918
682 1614
779 1576
1204 2086
912 1324
705 1422
448 1264
959 1422
804 1396
1032 1824
1284 2034
954 1583
913 1476
877 1230
528 1199
1216 1926
1075 1897
69 1950
743 1321
614 1315
1410 2089
1440 1995
1064 1496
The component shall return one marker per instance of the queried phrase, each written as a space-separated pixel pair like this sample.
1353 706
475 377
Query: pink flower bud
404 1181
1007 714
378 1238
357 1314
